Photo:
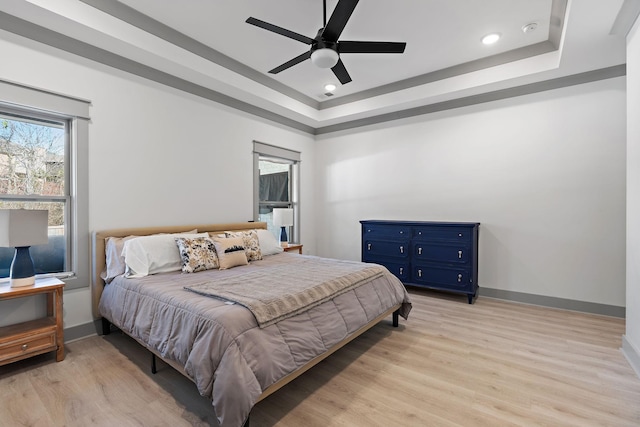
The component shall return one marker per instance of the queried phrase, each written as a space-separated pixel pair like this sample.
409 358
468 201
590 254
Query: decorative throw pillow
230 252
250 242
269 245
197 253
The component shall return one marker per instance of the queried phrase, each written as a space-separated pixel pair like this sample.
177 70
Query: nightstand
292 247
38 336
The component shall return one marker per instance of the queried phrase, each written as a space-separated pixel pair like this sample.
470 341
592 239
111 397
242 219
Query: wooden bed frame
98 262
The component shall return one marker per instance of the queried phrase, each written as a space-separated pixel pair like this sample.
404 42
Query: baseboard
566 304
80 331
632 355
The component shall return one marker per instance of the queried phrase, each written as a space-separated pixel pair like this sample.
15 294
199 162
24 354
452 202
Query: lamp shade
23 227
282 217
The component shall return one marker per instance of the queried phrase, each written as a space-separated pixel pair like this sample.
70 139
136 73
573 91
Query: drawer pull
419 251
459 254
401 232
459 234
401 270
24 347
401 249
459 277
368 246
419 273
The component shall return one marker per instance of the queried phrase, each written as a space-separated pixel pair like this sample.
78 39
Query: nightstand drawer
19 348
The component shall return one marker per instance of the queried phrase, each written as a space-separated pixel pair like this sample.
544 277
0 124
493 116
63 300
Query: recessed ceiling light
491 38
329 87
529 27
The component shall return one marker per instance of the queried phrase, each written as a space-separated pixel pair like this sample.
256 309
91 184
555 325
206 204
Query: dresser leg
470 298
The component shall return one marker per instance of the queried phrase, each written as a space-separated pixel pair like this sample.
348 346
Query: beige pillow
250 242
230 252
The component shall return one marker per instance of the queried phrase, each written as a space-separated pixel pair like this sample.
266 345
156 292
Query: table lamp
22 228
283 217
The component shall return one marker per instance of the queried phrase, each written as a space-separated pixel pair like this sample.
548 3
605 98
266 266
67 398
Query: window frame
41 104
271 152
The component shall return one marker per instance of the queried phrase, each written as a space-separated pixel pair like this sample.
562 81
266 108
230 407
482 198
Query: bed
219 340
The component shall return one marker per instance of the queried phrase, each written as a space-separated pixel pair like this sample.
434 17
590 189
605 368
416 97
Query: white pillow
158 253
269 245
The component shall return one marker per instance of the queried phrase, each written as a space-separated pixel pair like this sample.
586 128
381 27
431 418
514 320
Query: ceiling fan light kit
326 47
324 58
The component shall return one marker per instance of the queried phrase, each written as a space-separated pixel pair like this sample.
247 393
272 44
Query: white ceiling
206 47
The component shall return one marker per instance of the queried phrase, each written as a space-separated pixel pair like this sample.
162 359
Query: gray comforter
220 346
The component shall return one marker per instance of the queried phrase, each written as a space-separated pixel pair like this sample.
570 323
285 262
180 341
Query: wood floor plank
492 363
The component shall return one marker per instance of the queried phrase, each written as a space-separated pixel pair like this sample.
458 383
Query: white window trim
76 111
268 150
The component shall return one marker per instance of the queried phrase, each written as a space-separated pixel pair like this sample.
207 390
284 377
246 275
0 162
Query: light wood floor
493 363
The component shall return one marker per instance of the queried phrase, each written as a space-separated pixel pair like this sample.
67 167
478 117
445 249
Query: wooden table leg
59 326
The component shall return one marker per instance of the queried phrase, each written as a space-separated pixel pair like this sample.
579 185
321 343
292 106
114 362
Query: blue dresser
435 255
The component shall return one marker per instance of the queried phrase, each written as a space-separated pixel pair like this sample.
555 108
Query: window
32 176
276 185
43 158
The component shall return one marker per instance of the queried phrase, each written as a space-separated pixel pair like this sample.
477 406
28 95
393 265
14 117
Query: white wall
157 156
543 173
631 343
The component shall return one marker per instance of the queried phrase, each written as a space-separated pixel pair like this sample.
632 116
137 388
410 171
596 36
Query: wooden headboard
98 257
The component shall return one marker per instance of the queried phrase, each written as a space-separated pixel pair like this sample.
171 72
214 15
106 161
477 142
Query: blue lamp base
22 272
283 235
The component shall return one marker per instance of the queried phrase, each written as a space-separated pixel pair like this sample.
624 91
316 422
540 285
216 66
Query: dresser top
431 223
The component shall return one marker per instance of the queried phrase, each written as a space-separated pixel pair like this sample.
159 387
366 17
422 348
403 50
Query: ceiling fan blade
370 47
341 72
298 59
279 30
338 20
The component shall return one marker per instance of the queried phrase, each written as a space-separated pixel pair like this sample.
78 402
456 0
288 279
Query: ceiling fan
325 47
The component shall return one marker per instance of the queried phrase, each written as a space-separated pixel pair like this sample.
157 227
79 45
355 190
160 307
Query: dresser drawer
400 270
385 249
387 231
456 279
455 254
18 348
450 234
